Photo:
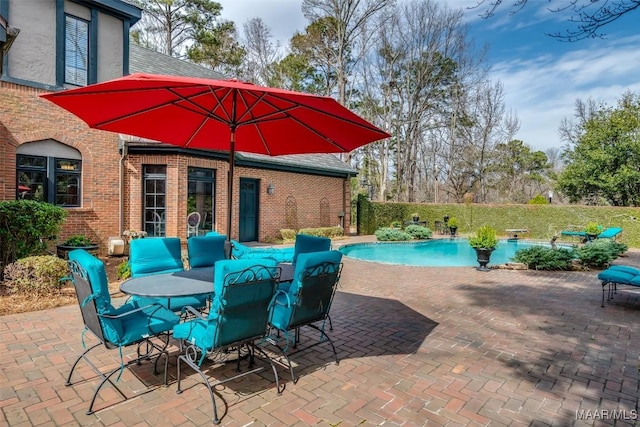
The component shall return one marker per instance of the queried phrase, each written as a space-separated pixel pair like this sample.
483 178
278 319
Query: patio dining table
196 281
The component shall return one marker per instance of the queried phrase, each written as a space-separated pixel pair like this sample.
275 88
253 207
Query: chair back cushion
227 243
205 251
306 244
155 255
310 295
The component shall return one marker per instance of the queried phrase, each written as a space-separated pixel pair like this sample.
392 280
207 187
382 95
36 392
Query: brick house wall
307 190
24 117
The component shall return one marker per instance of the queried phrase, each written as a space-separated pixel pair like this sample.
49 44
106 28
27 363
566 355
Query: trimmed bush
418 231
544 258
599 253
124 270
24 225
288 234
40 275
392 235
322 231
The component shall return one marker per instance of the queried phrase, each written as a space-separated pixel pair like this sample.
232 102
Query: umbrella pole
232 161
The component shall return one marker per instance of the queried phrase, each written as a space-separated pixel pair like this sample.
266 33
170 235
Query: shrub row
597 254
289 235
412 232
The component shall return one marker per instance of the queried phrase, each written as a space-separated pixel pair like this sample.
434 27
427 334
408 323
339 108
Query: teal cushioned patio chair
239 315
116 328
158 255
205 251
306 301
306 243
618 275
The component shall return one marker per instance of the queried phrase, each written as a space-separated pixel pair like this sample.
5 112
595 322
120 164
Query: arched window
49 171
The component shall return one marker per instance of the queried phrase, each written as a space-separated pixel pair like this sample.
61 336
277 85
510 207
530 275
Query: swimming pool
433 253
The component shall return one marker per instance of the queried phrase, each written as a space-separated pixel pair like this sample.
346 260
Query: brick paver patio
418 346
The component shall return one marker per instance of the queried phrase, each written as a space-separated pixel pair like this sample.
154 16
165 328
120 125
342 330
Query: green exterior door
248 209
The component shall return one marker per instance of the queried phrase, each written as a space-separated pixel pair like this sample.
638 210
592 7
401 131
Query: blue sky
542 77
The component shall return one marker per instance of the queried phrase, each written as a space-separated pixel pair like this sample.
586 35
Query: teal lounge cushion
615 276
625 268
610 233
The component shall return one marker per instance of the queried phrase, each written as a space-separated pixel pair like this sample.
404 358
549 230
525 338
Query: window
49 179
76 51
155 199
200 196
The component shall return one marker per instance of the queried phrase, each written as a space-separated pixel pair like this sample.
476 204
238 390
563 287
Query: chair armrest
130 312
281 292
193 311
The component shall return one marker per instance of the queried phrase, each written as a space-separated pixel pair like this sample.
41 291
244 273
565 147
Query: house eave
164 149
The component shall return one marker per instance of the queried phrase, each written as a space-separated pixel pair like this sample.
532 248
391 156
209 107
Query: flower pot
453 231
416 218
63 250
483 257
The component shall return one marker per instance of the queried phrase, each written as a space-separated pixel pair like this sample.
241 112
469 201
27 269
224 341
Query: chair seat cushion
150 321
199 332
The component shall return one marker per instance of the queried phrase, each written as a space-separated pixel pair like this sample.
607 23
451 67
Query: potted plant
453 225
592 229
484 241
77 241
415 217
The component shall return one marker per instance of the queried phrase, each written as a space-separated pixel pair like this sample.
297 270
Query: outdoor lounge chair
156 255
306 301
116 328
239 315
618 275
607 233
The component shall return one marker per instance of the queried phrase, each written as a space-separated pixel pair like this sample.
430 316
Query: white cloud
283 17
543 89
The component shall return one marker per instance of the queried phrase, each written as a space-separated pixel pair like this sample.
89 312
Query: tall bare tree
587 17
349 18
261 52
169 25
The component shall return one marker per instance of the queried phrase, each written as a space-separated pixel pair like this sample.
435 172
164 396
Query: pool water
433 253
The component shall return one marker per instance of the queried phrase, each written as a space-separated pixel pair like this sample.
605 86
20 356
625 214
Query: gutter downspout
123 154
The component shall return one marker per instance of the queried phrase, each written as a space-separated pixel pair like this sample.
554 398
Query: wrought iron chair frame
146 349
325 271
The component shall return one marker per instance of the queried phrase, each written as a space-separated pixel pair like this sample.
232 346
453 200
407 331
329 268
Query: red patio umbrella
225 115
